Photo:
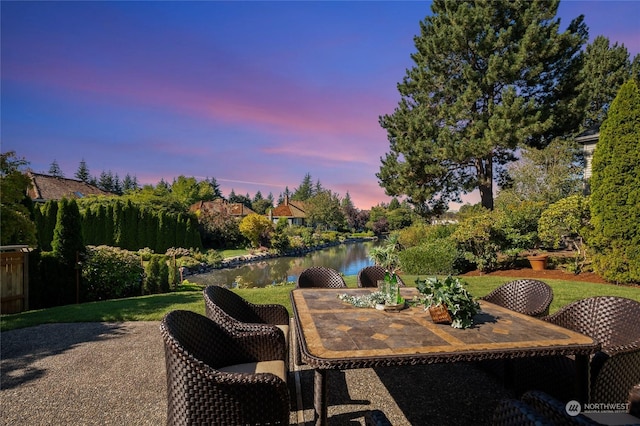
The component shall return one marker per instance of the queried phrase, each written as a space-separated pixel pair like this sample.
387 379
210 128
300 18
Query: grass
189 297
233 253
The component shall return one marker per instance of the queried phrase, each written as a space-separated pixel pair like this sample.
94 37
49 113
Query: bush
153 277
51 282
480 239
111 273
437 257
419 233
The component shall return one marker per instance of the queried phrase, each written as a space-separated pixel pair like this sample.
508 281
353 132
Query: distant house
293 211
220 206
45 187
588 139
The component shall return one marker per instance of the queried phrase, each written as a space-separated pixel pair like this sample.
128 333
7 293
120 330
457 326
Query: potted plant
386 255
448 301
538 261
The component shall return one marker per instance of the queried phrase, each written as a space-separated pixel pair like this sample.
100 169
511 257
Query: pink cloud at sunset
253 94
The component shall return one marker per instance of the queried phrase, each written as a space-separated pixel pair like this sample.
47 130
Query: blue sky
254 94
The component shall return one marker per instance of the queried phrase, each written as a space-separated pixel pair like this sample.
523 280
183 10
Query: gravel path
114 374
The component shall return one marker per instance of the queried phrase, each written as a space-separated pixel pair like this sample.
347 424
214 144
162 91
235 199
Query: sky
253 94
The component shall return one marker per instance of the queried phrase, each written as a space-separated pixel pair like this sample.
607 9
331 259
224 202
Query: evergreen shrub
111 273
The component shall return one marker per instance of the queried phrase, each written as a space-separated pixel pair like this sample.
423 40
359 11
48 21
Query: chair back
320 276
530 297
370 275
227 308
195 337
612 320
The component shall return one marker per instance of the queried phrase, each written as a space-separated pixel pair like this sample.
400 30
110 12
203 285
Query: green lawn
153 308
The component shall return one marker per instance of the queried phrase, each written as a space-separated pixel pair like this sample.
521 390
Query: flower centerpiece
448 301
386 256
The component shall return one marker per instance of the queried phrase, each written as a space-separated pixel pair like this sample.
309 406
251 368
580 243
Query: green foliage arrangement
452 293
615 185
111 273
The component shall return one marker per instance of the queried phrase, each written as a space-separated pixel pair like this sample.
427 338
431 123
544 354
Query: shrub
152 275
615 183
565 223
480 240
419 233
67 241
437 257
110 273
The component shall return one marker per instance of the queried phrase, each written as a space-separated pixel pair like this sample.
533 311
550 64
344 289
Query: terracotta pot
538 263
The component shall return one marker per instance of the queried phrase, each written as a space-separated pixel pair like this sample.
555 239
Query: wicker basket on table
440 314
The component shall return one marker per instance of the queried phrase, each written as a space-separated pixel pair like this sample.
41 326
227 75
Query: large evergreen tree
615 184
605 69
488 75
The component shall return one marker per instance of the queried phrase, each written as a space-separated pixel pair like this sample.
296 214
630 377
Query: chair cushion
285 330
276 367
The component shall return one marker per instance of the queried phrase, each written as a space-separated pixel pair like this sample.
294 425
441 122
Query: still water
345 258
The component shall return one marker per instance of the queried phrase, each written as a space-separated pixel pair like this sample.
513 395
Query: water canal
347 259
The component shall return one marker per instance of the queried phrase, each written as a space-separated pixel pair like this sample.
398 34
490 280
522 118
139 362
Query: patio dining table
333 334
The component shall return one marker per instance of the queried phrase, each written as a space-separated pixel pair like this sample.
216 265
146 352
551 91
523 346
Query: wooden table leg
320 396
582 378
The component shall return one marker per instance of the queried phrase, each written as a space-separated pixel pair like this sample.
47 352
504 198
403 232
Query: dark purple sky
254 94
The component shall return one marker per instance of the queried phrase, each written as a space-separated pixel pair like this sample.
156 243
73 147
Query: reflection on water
345 258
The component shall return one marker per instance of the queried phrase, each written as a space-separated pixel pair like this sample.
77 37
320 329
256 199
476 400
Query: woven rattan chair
319 276
370 275
536 409
215 377
530 297
615 323
233 312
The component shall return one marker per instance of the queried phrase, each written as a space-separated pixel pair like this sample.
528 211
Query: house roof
290 209
45 187
220 205
589 135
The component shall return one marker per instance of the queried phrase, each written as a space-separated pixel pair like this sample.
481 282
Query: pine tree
615 184
54 170
129 184
305 190
605 69
488 76
83 172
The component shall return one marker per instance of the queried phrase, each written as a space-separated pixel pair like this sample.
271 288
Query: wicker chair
370 275
536 409
530 297
614 321
233 312
215 377
319 276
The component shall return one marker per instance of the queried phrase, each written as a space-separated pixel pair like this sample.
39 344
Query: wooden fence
14 279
